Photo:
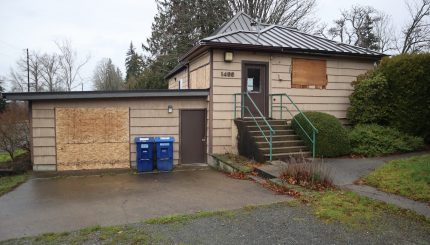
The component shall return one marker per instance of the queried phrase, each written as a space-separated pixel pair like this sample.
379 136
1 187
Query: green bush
374 140
396 94
370 101
332 139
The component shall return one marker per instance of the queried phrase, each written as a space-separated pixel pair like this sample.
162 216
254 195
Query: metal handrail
243 107
313 140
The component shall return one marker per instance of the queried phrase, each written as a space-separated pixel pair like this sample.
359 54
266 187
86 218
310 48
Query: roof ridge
227 33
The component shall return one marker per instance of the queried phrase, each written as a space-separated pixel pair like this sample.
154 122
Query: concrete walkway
345 171
69 203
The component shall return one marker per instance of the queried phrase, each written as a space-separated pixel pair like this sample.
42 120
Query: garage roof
106 94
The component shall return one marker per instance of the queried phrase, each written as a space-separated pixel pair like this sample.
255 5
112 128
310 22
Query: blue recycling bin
164 149
144 154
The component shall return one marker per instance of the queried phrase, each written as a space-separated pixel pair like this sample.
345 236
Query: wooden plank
43 142
48 160
154 122
92 138
43 132
309 72
44 151
143 113
154 130
43 123
43 113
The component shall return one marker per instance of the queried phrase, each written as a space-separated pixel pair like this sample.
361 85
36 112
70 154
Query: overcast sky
105 28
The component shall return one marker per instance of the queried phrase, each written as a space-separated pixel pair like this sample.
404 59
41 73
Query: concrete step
277 132
289 149
265 127
286 143
281 156
277 138
261 121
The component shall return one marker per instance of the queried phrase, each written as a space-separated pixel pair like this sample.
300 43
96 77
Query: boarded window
309 73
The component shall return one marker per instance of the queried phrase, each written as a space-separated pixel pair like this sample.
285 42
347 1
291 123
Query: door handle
203 140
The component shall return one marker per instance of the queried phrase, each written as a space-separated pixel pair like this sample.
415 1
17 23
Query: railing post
270 146
313 143
235 107
271 106
280 107
242 106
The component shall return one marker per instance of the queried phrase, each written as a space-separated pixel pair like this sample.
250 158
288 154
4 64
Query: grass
187 217
7 183
124 234
349 208
98 235
4 156
408 177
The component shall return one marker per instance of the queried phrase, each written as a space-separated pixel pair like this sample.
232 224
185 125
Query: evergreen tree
177 26
366 33
133 65
107 76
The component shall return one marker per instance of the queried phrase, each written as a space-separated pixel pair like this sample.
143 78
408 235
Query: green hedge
396 94
332 138
374 140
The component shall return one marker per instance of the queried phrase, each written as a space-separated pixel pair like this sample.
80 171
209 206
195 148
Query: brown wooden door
254 81
193 136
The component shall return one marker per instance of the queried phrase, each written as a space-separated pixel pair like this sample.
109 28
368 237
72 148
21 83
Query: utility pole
28 72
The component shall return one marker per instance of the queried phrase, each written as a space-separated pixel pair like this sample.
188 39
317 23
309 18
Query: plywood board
309 72
92 138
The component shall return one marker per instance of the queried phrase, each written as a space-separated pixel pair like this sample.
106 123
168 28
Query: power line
10 45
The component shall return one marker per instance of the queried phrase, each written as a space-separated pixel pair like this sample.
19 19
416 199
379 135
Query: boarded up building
240 71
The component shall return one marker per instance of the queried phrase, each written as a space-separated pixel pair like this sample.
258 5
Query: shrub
312 175
370 101
374 140
332 138
396 95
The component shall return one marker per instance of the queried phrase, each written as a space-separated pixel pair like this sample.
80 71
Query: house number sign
227 74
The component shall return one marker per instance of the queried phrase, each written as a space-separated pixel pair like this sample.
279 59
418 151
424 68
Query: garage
93 130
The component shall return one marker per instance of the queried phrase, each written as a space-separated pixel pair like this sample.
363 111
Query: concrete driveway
69 203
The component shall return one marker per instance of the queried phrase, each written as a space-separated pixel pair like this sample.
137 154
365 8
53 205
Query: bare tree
357 27
14 129
18 76
416 33
384 31
293 13
107 76
70 66
50 64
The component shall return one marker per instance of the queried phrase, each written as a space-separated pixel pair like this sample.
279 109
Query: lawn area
4 156
7 183
409 177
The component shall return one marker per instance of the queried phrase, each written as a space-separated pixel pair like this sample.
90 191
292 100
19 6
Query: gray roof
276 36
240 21
106 94
179 67
242 32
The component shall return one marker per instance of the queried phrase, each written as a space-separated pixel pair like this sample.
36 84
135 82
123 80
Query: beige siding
174 80
333 100
148 117
43 132
200 72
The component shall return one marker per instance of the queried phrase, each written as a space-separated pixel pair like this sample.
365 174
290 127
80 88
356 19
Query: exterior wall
200 72
333 100
148 117
174 81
